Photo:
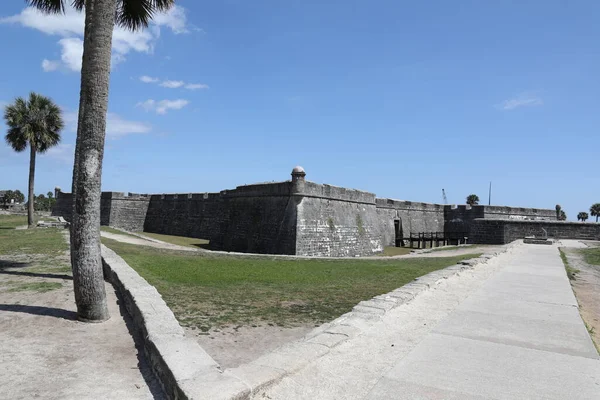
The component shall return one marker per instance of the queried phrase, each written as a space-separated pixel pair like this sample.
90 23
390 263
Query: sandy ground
143 242
587 290
234 346
46 353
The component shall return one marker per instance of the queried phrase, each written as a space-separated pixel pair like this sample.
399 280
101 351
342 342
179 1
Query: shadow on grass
5 265
205 246
37 310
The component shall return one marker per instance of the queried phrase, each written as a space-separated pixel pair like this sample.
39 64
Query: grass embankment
571 272
178 240
115 231
391 251
207 291
591 255
28 253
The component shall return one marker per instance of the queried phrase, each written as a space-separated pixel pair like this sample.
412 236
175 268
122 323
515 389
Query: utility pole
490 195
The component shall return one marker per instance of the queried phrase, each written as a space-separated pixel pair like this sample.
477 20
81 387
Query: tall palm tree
472 199
36 123
595 210
100 19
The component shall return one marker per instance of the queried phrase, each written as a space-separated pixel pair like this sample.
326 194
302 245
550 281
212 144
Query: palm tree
472 199
582 216
36 123
100 19
595 210
562 216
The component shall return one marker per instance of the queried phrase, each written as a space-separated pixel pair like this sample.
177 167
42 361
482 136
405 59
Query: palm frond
136 14
16 140
48 6
78 4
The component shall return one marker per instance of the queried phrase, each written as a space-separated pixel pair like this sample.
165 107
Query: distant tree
8 196
558 208
19 197
562 216
36 123
50 195
472 199
595 210
582 216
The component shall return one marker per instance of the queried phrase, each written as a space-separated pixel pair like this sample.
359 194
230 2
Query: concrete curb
186 371
183 368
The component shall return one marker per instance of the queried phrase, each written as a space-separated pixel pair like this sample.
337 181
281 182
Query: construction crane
444 196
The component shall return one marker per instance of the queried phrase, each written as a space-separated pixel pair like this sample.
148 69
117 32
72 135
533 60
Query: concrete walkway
508 330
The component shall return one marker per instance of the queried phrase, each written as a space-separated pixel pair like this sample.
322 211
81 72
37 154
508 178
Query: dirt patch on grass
585 280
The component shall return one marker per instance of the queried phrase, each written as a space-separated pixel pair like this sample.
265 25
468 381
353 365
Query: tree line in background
41 202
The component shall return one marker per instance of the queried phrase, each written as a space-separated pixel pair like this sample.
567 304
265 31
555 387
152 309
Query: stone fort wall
302 217
502 231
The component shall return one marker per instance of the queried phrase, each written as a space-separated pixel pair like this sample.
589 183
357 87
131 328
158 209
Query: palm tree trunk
30 209
88 277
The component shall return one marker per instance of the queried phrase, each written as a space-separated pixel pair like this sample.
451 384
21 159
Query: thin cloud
172 84
522 100
148 79
116 126
196 86
161 107
70 26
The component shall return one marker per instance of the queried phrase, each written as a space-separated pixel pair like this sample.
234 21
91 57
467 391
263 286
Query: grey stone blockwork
301 217
501 231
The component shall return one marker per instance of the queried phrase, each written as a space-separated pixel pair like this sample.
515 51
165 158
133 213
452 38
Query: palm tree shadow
6 268
38 310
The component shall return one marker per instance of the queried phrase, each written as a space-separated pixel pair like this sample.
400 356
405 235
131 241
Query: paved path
508 330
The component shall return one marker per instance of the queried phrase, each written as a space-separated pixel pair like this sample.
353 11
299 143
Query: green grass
12 221
571 272
115 231
591 255
207 291
31 241
447 248
391 251
40 287
178 240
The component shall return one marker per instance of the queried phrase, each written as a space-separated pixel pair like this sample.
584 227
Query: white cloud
48 65
196 86
70 26
148 79
175 19
522 100
116 126
172 84
161 107
72 53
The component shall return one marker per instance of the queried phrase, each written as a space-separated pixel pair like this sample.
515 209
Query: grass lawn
178 240
12 221
27 254
207 291
390 251
592 255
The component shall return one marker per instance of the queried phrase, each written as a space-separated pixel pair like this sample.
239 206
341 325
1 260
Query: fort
299 217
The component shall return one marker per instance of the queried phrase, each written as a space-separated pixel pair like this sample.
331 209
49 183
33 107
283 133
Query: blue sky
398 98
